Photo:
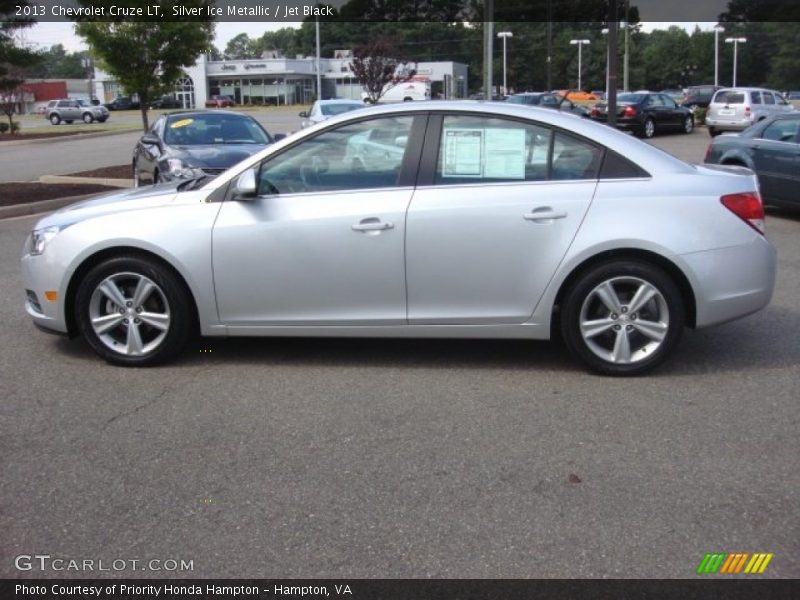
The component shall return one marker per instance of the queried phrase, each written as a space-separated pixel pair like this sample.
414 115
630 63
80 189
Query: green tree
239 47
13 59
144 57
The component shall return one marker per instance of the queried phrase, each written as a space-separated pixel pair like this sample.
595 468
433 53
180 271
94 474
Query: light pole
717 30
319 72
580 44
735 41
505 35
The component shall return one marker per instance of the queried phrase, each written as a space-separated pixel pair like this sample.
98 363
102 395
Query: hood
214 156
112 202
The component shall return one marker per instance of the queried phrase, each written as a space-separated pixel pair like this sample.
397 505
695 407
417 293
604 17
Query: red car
219 102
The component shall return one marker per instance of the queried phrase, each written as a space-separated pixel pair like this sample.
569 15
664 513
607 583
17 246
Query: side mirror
246 185
279 136
150 139
303 114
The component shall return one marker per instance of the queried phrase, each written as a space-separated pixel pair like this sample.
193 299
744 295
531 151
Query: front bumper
39 276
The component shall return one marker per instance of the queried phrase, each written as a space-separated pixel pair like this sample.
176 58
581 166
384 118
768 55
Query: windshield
330 110
216 128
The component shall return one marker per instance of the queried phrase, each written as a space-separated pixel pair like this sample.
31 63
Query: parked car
548 100
646 113
487 220
122 103
186 144
325 109
68 110
771 148
167 101
698 96
736 109
220 102
578 95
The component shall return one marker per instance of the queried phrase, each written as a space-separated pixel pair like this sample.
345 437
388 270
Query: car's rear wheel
688 125
87 118
713 132
623 317
55 119
648 128
133 311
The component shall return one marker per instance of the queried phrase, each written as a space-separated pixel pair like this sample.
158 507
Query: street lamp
580 44
504 35
735 41
717 30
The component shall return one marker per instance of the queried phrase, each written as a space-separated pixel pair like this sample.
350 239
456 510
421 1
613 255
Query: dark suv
699 96
122 103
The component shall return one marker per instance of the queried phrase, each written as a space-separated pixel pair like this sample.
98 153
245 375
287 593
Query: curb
67 138
120 183
43 206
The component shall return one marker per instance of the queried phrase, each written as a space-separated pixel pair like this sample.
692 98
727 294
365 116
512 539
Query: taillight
748 207
629 112
595 112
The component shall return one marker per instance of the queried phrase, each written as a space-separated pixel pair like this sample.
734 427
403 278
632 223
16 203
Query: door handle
543 214
371 225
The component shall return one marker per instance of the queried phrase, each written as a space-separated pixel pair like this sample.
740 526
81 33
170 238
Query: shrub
3 127
699 116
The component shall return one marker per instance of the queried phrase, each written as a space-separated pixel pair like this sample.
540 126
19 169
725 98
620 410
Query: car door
496 207
776 156
674 115
323 242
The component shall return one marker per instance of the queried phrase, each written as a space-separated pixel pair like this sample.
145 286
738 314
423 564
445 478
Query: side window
574 158
63 103
783 130
755 97
363 155
667 101
616 166
476 149
768 98
780 100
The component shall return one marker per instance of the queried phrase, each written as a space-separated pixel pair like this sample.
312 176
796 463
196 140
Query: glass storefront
260 91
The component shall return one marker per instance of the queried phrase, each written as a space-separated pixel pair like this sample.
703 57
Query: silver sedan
445 219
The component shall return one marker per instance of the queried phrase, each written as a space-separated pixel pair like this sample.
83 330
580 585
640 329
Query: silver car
735 109
474 220
326 109
73 110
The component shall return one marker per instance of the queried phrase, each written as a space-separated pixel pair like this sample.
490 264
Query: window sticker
181 123
504 154
493 153
463 151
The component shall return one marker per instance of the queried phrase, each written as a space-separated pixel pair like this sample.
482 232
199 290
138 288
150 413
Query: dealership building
274 79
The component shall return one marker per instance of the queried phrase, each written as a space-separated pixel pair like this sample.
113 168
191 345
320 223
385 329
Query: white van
404 91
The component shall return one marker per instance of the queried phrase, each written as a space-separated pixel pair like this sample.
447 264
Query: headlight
41 237
180 170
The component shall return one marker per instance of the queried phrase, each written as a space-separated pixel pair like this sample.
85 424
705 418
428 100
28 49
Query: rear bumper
732 282
728 124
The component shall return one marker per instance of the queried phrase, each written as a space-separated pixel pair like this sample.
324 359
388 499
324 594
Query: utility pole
488 47
549 45
319 71
611 101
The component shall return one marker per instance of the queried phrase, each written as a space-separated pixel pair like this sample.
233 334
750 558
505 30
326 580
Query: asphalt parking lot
403 458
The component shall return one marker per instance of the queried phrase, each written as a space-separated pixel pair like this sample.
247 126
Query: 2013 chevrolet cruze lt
445 219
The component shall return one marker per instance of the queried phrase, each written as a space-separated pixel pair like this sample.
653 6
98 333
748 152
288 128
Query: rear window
729 97
630 98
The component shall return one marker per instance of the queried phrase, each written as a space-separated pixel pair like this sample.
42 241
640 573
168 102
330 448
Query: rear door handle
545 213
371 224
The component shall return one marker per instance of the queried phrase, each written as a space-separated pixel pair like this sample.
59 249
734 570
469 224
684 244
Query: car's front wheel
133 311
688 125
87 118
623 317
55 119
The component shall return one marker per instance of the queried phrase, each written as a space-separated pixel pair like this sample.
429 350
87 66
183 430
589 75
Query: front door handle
542 214
371 224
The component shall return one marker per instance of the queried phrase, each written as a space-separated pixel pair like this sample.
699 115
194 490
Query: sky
44 35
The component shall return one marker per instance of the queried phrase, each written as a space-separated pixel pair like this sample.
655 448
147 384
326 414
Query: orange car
578 95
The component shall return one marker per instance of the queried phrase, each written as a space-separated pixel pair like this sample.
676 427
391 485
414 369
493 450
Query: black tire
648 128
55 119
583 303
688 124
87 118
713 132
168 300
